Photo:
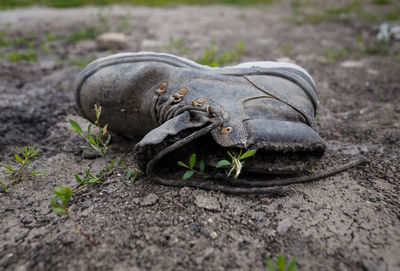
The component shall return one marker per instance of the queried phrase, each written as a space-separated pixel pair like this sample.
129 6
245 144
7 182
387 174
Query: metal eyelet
178 96
211 112
199 102
163 86
226 130
161 89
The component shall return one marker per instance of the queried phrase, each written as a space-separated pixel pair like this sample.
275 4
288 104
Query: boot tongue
166 134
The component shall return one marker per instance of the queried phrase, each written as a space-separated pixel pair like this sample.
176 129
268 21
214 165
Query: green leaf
9 168
120 161
86 147
4 189
188 174
18 158
192 160
53 201
247 154
292 265
180 163
59 211
89 174
137 173
202 166
223 163
20 151
34 154
75 126
280 262
108 140
91 139
88 129
78 179
64 194
270 265
129 174
94 180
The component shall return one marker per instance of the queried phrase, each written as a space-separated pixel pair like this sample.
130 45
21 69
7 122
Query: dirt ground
347 222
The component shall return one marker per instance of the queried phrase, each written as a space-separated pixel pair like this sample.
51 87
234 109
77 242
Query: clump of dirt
346 222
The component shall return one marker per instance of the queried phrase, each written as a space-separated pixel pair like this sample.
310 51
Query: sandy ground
346 222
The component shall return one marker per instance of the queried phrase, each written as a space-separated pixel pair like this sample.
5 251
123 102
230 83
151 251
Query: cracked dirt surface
347 222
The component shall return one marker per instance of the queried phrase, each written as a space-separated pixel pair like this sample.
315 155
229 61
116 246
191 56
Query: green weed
124 24
98 142
21 171
79 62
212 57
4 41
28 55
237 163
177 44
287 49
332 54
192 161
59 206
393 15
162 3
281 264
87 33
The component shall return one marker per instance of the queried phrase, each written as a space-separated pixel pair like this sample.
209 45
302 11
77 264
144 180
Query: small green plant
237 163
212 57
192 161
59 206
88 33
332 54
177 44
98 142
287 49
28 55
22 171
281 264
124 24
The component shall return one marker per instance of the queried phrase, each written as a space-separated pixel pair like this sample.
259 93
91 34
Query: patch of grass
314 11
281 264
80 62
393 15
28 55
88 33
124 24
213 57
332 54
287 49
22 171
77 3
381 2
374 48
4 41
177 44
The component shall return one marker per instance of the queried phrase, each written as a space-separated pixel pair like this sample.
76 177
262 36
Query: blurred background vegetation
76 3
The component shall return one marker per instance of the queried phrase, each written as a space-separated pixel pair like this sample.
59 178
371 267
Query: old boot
182 107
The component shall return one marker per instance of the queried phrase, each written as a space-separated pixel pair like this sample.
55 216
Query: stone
284 226
149 200
207 202
111 40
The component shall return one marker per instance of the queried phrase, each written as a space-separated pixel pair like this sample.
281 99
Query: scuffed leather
267 108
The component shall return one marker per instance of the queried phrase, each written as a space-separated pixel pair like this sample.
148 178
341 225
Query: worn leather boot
180 107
